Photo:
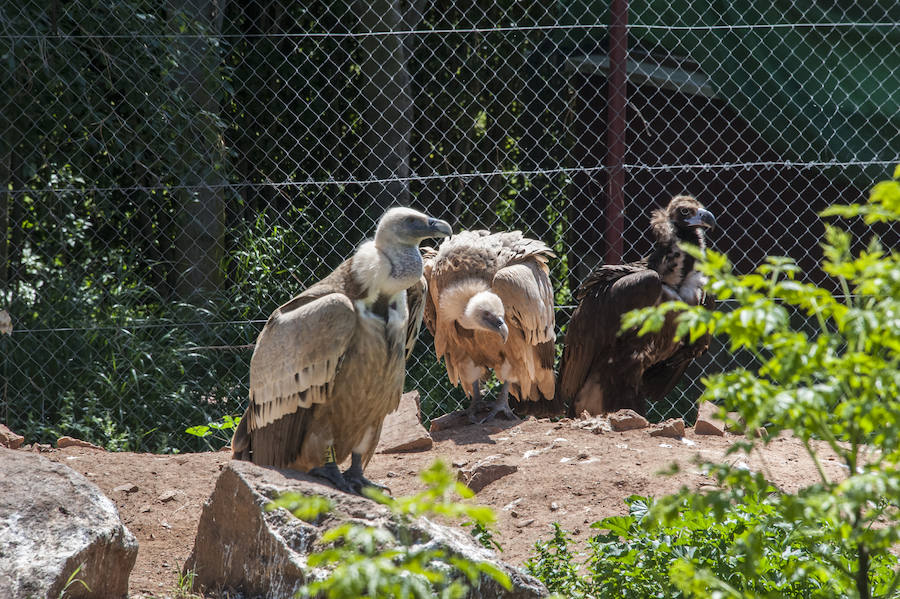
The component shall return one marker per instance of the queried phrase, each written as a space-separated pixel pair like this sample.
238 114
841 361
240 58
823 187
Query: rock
485 471
626 420
63 442
166 496
242 548
402 429
673 427
456 419
708 421
53 521
10 439
126 488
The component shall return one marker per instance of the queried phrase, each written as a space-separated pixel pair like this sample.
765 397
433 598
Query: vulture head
407 227
484 312
396 239
684 218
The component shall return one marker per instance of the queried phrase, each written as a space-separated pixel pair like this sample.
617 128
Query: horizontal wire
462 30
173 325
475 175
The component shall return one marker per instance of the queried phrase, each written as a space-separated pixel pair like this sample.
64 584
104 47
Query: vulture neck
387 269
667 258
454 300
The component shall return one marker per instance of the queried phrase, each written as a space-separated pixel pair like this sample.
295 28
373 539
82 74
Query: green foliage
674 549
220 430
364 561
835 380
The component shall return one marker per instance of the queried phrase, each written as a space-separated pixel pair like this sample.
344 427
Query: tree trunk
200 220
386 100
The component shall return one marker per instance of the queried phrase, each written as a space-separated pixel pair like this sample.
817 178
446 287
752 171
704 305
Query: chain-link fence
174 171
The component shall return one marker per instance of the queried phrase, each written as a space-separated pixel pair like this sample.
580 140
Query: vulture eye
685 211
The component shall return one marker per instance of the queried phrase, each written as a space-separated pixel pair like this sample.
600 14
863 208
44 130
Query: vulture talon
354 477
332 474
501 406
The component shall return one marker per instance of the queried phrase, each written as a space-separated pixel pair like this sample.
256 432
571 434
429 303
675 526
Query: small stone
708 421
391 474
167 496
554 506
673 428
126 488
64 442
10 439
144 508
626 420
459 463
485 471
525 523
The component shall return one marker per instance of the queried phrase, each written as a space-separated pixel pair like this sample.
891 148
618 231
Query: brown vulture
603 370
489 305
329 364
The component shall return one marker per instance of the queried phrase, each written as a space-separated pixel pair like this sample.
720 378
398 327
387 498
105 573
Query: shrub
833 379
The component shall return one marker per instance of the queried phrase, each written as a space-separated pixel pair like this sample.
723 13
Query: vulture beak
703 218
439 228
503 330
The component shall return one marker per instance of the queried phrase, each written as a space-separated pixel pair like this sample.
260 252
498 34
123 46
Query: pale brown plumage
603 369
329 364
490 306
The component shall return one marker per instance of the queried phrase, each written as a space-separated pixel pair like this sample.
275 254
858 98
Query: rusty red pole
615 134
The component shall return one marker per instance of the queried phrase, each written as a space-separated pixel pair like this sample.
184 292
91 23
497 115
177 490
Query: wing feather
297 356
527 299
415 302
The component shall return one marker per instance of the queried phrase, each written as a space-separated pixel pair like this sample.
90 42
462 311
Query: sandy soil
565 474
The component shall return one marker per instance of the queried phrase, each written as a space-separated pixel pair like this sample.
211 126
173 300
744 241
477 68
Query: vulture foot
332 474
354 477
500 406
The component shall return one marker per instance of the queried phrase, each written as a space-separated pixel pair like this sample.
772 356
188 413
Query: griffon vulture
329 364
603 370
489 305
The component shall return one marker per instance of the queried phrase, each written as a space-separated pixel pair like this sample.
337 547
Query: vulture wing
607 294
415 302
527 299
296 358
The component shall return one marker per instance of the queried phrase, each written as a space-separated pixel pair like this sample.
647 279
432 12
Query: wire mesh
174 171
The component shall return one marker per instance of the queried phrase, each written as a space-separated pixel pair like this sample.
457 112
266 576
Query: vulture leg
501 405
331 473
354 476
475 404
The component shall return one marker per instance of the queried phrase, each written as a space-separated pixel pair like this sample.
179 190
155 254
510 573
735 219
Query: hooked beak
503 330
703 218
439 228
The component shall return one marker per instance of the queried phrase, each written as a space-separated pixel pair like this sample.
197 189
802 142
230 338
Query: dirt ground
565 474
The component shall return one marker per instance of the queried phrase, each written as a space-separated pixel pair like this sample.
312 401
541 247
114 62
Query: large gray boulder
242 548
53 521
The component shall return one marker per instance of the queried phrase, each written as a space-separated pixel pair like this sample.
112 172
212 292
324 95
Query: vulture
603 369
489 305
328 365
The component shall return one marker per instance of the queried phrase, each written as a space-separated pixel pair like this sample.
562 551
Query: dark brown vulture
603 370
329 364
489 305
